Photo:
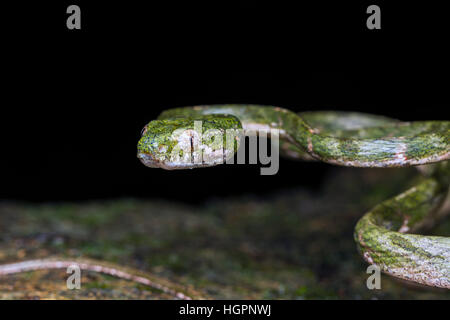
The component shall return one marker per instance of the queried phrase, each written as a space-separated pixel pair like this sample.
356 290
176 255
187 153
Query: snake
205 136
386 236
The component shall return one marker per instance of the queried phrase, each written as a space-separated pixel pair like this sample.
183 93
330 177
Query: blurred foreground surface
297 244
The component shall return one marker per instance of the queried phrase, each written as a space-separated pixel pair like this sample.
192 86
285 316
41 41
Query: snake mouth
148 160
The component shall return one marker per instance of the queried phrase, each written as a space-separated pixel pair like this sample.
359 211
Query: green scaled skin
390 145
340 138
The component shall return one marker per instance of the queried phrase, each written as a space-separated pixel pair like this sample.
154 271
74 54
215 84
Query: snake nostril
144 130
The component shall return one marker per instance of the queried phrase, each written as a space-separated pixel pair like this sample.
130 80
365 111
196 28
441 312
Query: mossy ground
297 244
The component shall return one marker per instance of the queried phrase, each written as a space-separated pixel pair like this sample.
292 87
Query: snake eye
144 130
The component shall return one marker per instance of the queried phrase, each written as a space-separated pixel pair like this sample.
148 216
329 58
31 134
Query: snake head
189 142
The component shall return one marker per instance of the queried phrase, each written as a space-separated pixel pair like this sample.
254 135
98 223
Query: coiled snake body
384 234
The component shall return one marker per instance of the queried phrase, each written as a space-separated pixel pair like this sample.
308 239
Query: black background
74 101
